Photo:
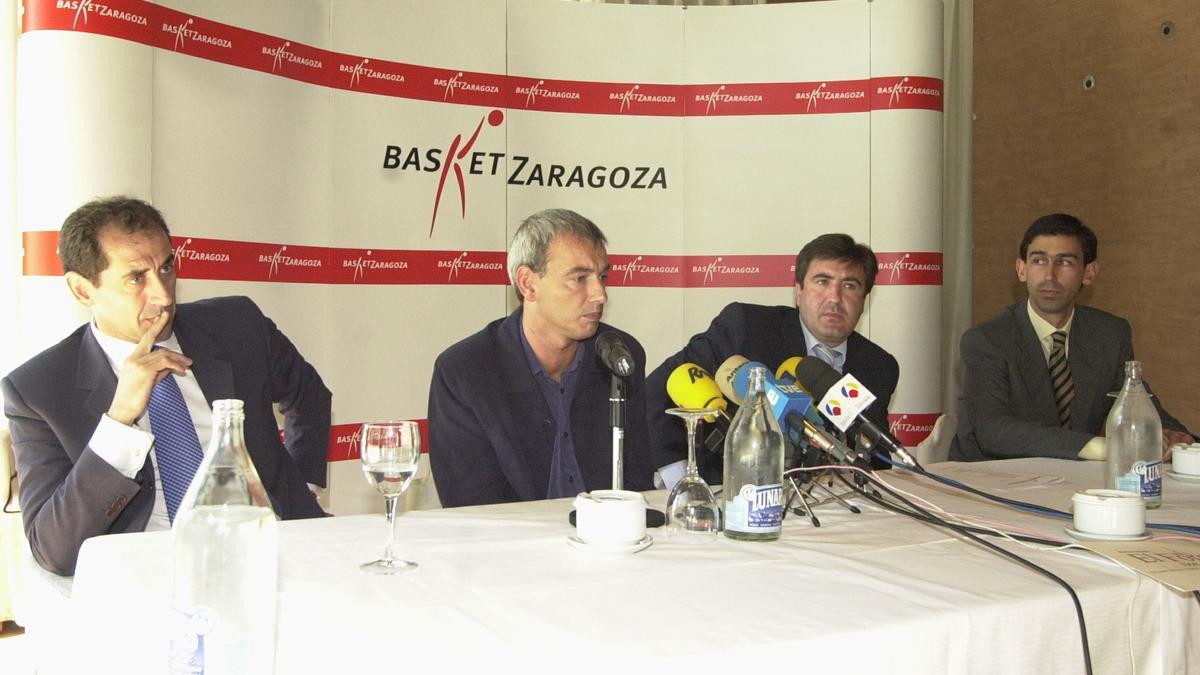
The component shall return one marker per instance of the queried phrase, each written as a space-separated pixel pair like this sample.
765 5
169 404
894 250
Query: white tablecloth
499 587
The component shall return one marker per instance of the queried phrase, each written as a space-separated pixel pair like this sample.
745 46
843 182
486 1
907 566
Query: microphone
791 405
690 386
819 378
614 354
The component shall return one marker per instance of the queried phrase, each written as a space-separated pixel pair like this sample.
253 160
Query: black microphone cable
941 522
1024 506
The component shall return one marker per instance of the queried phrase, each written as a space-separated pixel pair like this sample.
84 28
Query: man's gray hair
533 237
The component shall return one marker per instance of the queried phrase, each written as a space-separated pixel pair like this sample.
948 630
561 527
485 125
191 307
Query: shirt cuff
1095 449
666 477
123 447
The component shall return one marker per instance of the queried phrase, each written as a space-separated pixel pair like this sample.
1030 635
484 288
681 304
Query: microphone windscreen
690 386
788 368
614 354
724 377
816 376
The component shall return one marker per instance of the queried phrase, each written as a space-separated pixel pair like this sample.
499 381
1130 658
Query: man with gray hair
519 411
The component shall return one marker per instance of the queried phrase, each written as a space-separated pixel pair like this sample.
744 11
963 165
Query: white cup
1186 459
608 517
1109 512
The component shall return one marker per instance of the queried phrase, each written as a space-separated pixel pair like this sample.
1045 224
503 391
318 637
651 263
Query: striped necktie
827 355
1060 378
176 446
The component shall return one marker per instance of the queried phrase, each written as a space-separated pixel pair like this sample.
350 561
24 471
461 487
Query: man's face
1053 270
137 285
567 300
831 299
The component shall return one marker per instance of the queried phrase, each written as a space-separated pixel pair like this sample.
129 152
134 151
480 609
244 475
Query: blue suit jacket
491 433
55 400
770 335
1007 406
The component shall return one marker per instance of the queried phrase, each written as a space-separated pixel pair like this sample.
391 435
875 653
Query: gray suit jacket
1007 407
55 400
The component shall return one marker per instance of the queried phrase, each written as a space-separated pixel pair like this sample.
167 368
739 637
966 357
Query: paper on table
1174 563
1015 481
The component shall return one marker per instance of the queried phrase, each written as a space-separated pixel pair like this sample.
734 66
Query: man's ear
1020 270
81 288
526 282
1090 271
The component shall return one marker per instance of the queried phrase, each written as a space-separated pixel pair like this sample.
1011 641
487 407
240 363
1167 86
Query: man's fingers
146 343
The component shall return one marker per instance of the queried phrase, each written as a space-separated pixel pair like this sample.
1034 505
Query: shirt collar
535 364
117 350
1044 328
810 340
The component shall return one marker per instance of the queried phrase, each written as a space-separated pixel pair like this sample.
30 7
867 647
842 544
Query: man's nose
161 292
597 292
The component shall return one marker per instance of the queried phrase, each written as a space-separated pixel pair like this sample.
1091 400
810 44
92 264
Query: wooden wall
1123 156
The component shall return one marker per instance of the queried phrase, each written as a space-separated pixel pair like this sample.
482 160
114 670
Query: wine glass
691 507
390 452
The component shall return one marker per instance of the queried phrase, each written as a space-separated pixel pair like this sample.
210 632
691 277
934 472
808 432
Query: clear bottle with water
753 479
1134 440
226 561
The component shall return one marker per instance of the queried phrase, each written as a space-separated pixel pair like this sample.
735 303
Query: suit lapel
1032 362
94 375
213 372
1086 367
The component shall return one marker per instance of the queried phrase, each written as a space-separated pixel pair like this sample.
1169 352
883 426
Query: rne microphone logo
457 152
833 408
850 390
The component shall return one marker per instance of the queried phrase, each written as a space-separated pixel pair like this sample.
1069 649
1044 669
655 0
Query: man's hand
144 368
1170 438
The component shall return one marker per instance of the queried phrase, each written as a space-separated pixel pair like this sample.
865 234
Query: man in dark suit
834 275
1036 378
520 410
87 455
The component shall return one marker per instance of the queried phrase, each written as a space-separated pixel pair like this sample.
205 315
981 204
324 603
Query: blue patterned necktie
176 446
827 355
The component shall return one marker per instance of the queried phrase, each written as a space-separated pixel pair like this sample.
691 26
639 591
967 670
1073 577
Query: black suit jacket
1007 406
55 400
491 433
767 334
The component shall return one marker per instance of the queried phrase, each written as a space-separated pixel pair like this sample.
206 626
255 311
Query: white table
499 587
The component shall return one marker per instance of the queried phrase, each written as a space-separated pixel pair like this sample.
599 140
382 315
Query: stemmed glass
691 507
390 452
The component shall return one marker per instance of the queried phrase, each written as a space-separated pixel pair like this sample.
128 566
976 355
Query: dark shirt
565 480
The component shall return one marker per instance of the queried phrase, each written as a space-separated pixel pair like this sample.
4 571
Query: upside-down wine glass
691 507
390 452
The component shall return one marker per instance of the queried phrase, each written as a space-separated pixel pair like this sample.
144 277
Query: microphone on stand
819 378
792 406
691 386
614 354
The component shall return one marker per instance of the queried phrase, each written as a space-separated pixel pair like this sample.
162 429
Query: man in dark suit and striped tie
1036 378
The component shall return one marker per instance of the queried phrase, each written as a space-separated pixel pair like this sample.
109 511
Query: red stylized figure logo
454 157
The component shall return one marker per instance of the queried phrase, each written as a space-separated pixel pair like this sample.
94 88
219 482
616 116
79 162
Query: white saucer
1194 479
1088 536
610 549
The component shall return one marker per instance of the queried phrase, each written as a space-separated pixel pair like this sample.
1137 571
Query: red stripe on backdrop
171 30
909 428
344 439
912 428
225 260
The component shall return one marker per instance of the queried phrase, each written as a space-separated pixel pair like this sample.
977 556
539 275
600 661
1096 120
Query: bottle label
189 630
757 509
1149 475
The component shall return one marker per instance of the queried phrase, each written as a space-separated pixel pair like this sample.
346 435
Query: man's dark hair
79 240
1066 225
842 248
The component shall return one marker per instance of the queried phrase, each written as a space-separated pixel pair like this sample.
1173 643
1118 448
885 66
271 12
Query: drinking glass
691 507
390 452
